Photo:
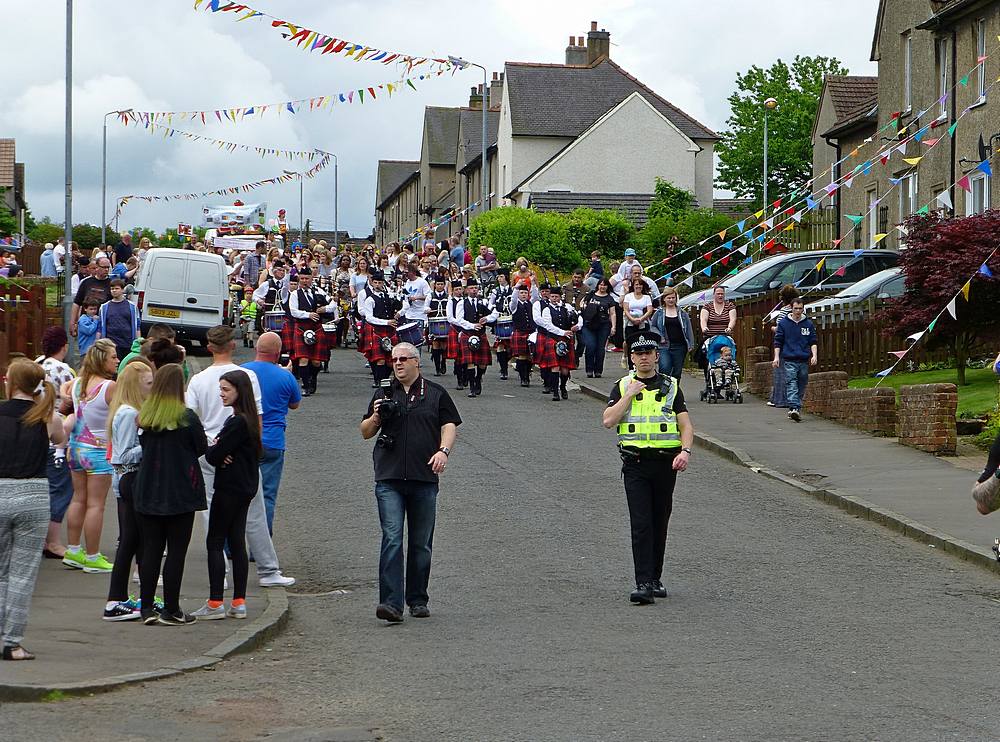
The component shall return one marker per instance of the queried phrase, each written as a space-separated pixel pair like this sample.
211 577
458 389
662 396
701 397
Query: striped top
718 323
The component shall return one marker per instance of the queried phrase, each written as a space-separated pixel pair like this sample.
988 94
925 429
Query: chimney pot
571 40
496 76
480 88
579 41
593 25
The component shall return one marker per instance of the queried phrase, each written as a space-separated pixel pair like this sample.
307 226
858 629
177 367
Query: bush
666 234
609 232
513 232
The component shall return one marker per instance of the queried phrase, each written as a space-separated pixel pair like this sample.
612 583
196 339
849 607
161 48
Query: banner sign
227 217
234 243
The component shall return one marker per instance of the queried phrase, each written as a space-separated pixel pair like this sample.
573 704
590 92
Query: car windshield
752 278
866 285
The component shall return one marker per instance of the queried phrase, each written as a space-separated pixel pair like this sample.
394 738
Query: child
726 368
248 316
236 456
86 332
119 319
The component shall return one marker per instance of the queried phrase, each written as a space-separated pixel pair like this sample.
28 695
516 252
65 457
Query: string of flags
951 308
442 220
311 41
301 105
798 208
153 127
285 177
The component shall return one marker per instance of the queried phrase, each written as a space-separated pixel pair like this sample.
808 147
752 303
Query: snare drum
505 327
438 329
274 321
411 332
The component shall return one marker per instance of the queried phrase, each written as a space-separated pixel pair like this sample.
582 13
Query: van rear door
164 289
206 292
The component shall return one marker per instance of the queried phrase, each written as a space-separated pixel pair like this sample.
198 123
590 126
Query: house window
833 179
907 196
872 224
979 200
907 72
980 53
942 67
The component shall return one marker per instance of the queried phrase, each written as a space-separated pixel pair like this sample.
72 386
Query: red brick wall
818 393
760 379
927 417
870 410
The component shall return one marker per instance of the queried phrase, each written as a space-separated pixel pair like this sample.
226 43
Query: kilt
373 335
479 357
545 353
452 352
318 351
287 335
362 344
519 344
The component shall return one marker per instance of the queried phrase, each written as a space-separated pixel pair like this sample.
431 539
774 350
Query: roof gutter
836 176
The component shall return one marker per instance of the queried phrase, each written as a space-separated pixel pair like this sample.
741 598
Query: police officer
654 439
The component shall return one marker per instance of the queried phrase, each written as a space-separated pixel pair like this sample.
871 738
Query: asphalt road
787 619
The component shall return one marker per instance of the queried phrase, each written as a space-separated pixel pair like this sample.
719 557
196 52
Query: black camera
387 411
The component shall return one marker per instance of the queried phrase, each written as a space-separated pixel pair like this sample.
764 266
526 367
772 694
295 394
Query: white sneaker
210 614
135 579
277 580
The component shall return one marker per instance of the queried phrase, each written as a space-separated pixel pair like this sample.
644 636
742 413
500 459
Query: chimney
598 44
476 97
576 52
496 90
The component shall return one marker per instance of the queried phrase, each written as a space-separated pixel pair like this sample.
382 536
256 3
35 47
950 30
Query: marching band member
524 325
379 312
272 295
499 300
537 306
556 329
438 310
416 294
472 316
309 344
454 351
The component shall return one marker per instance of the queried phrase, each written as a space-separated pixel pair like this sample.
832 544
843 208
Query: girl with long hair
169 490
28 423
134 384
90 470
235 454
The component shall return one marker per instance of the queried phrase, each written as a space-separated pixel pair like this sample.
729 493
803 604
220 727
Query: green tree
663 236
45 231
88 236
513 232
607 231
669 200
741 151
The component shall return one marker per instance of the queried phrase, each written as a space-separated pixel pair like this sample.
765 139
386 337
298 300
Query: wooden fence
26 309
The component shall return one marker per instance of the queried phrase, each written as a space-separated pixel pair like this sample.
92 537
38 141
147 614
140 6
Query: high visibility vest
651 421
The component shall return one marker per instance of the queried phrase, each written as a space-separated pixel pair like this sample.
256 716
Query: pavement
78 652
920 495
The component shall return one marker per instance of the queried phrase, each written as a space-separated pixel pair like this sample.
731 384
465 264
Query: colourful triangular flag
963 81
820 264
944 198
858 253
707 270
880 237
984 167
985 270
930 327
951 129
689 281
912 160
965 289
952 309
964 183
898 353
857 219
722 234
841 271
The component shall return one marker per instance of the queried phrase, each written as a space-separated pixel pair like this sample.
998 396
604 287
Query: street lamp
336 197
769 105
68 227
484 170
104 174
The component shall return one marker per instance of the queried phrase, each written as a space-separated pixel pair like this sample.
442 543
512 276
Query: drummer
499 301
272 297
310 343
416 299
438 324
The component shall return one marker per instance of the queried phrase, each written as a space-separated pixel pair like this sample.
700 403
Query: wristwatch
686 450
445 450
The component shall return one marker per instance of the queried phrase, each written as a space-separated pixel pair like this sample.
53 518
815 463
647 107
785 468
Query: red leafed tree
941 255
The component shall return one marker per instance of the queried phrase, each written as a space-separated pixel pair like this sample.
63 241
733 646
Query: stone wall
871 410
759 380
818 393
927 417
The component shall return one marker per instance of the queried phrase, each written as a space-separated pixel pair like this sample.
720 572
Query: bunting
222 144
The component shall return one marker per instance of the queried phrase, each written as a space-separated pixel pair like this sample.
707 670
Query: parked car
772 273
856 301
184 289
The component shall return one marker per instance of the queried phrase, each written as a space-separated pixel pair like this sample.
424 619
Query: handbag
987 495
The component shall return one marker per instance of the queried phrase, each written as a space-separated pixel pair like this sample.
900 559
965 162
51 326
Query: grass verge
977 398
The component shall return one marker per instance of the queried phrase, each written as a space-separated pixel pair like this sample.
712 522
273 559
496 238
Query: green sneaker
97 565
74 559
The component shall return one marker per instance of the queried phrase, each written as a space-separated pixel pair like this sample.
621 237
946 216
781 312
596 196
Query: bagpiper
500 299
472 316
379 311
557 328
310 343
524 326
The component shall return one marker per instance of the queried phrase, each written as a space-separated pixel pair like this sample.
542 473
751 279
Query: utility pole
68 232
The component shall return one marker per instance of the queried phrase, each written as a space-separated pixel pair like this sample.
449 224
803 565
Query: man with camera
416 423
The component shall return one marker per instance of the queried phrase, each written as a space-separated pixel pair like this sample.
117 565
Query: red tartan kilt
545 353
362 337
373 342
479 357
519 344
318 351
287 333
452 351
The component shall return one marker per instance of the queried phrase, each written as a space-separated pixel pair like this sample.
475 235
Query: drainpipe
836 179
954 109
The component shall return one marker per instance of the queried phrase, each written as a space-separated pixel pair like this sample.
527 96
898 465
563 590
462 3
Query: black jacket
169 481
240 478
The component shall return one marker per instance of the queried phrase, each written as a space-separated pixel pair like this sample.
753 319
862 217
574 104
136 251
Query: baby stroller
720 383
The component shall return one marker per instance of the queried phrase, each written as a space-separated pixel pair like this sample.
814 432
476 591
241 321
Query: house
470 154
589 128
438 155
929 75
840 96
11 178
397 202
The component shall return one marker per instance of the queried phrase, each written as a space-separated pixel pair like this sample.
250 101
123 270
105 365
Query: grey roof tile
441 127
470 134
850 91
6 163
391 175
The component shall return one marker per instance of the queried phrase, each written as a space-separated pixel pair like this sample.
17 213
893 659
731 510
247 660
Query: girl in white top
638 306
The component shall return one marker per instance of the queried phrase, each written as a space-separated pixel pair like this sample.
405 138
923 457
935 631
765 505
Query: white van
184 289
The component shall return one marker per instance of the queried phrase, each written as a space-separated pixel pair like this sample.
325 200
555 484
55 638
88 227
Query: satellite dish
983 152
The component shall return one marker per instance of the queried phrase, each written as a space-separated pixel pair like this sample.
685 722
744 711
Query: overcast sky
166 56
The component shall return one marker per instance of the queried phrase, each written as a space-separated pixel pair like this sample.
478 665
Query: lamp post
484 170
104 174
769 105
68 234
336 197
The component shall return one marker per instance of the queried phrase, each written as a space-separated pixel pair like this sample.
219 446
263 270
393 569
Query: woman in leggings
235 454
169 490
28 423
134 383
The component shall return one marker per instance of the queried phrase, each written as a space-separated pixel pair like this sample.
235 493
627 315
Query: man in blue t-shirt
279 393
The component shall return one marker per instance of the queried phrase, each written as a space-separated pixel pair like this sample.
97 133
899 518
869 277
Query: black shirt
597 309
122 252
675 333
29 444
169 481
240 478
653 384
416 429
93 288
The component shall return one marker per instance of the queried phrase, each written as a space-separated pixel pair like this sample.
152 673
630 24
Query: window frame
978 179
907 72
908 191
943 49
981 52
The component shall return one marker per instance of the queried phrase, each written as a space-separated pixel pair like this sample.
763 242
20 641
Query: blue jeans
272 462
779 387
796 379
60 487
595 343
672 361
398 500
